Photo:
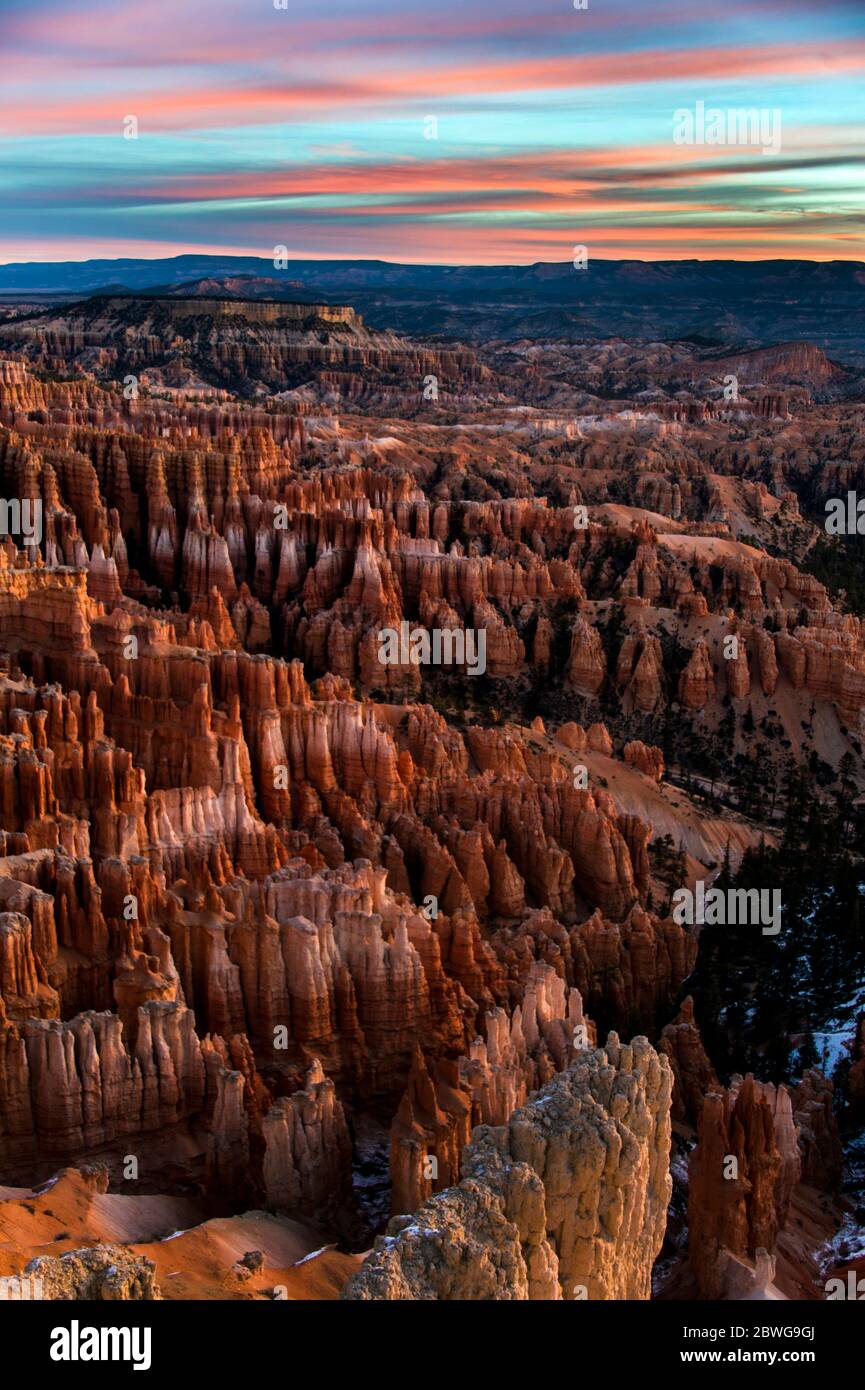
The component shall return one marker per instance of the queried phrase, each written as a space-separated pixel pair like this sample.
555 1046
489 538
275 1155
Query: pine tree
808 1054
725 877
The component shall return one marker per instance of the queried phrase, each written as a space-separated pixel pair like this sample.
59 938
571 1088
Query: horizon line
444 265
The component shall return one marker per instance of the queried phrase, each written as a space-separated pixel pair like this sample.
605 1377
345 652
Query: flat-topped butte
254 310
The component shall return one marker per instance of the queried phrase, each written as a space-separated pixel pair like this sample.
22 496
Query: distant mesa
176 307
725 304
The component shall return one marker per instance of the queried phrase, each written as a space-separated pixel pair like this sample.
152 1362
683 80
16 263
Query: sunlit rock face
566 1200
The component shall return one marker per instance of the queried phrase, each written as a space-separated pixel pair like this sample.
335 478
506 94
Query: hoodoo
358 808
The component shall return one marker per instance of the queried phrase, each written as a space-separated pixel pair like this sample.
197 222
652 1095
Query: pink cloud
224 103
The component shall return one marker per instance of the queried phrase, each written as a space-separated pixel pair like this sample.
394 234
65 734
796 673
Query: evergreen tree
725 877
808 1054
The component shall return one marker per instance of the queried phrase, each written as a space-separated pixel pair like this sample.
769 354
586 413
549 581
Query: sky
446 131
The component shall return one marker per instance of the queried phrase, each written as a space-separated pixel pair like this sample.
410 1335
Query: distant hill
251 346
738 303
